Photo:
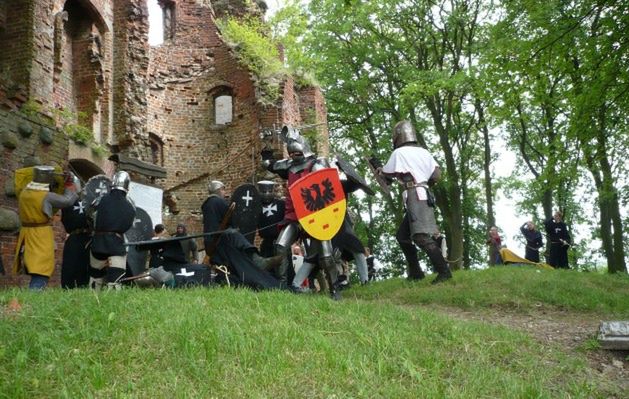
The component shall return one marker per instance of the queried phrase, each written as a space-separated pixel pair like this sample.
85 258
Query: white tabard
415 161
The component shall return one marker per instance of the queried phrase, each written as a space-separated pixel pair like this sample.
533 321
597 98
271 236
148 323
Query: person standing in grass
533 241
560 241
495 244
417 170
75 264
114 214
35 250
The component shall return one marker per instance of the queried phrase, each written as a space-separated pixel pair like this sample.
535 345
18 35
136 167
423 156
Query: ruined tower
176 115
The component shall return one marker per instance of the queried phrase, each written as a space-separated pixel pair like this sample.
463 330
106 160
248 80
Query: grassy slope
236 343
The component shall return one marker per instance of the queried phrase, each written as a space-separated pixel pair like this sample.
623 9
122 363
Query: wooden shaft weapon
214 243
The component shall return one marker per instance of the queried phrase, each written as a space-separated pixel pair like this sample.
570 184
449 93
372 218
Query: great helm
43 174
404 133
215 186
299 145
266 189
121 181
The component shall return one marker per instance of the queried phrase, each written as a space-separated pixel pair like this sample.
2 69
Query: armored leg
302 274
361 266
286 238
328 263
403 237
425 242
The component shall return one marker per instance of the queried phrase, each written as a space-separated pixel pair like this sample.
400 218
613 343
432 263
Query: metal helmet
299 145
43 174
147 282
121 181
76 182
403 133
215 186
266 188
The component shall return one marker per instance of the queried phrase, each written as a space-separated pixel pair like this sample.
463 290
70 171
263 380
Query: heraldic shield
319 203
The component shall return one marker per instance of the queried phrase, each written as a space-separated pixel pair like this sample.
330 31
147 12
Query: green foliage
79 134
34 111
239 343
99 150
257 52
550 80
72 128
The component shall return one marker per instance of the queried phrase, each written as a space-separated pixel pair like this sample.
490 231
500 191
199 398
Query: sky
506 218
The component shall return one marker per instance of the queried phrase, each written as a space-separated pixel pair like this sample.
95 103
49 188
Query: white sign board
148 198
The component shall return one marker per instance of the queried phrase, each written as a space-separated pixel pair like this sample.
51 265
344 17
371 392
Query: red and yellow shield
319 203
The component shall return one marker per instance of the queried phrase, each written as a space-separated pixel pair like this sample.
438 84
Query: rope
223 269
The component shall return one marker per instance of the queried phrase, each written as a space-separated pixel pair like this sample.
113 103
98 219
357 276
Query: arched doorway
85 169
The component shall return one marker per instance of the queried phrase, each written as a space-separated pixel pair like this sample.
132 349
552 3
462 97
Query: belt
108 232
79 231
410 184
44 224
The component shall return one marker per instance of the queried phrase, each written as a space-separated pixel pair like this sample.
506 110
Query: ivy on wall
256 51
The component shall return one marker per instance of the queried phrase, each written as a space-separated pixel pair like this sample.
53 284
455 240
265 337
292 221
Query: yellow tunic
36 236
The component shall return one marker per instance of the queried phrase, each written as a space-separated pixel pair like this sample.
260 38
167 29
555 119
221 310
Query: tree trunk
489 197
453 211
610 218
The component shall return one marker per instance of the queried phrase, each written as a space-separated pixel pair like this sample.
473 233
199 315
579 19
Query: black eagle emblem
320 199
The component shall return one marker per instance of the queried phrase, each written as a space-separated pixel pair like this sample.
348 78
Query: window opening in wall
157 149
168 18
156 23
223 109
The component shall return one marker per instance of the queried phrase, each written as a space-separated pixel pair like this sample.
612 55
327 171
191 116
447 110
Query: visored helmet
298 146
215 186
121 181
43 174
404 133
266 188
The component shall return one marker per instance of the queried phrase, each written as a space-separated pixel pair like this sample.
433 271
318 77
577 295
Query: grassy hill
390 339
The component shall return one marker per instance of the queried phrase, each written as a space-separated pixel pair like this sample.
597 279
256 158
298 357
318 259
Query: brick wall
16 47
166 91
130 67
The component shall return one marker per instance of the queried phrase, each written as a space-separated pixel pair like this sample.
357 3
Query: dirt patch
557 328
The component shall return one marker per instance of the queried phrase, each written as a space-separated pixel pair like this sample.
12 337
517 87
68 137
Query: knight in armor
35 251
346 245
231 248
114 214
301 162
271 216
76 254
417 170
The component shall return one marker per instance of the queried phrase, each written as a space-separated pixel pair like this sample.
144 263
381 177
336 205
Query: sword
379 179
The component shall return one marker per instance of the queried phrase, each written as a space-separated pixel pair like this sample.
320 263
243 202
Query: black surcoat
115 215
76 256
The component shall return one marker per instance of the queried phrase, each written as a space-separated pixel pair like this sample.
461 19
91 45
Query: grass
379 342
513 287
